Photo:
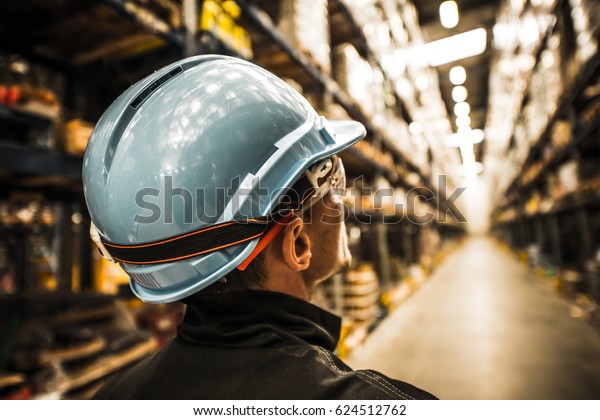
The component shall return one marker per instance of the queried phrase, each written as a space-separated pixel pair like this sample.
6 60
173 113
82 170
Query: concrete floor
483 327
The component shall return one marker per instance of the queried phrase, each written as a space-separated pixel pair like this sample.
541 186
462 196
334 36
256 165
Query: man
214 183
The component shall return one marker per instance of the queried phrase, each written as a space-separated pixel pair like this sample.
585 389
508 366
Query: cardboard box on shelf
306 24
355 295
568 177
561 134
354 74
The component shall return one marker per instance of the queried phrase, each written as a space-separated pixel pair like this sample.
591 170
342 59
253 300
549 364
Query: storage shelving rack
564 229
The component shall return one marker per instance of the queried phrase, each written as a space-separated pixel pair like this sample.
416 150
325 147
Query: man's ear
296 246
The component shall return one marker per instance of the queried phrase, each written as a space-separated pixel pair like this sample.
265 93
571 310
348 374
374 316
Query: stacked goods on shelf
397 205
73 135
109 277
219 18
354 295
36 100
568 178
376 30
387 37
29 102
356 76
379 200
561 134
391 29
430 243
166 10
586 33
591 101
570 283
383 158
533 204
551 132
545 88
507 215
305 23
361 294
65 345
163 16
26 128
37 219
532 172
401 135
375 26
511 71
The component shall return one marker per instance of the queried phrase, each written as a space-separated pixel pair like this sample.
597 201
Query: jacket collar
256 319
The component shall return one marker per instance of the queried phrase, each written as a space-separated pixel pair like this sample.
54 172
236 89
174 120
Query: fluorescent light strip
459 93
453 48
458 75
462 109
449 14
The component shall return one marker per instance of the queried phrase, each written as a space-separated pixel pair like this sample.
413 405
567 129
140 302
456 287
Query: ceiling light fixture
462 122
458 75
452 48
459 93
462 109
449 14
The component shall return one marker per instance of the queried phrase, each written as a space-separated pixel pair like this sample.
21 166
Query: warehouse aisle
483 328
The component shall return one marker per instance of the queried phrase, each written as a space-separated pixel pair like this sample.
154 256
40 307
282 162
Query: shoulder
366 384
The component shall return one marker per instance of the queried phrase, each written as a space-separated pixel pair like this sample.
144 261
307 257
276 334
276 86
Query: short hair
252 278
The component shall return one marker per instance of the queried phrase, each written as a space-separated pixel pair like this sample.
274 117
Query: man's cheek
345 254
333 213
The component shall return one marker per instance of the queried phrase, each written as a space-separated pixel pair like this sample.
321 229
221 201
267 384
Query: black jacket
253 345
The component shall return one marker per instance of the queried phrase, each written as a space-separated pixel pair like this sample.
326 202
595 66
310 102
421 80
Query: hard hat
187 155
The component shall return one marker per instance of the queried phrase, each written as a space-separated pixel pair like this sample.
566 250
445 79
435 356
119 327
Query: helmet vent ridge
155 85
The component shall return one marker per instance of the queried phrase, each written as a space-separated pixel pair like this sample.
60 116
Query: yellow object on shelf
108 276
218 18
231 8
73 136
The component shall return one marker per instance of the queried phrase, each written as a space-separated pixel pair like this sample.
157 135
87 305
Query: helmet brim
347 132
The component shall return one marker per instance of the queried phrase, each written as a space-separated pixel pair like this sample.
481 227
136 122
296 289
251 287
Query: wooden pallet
71 353
11 379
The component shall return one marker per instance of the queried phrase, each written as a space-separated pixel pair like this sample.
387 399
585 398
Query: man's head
310 247
309 250
185 173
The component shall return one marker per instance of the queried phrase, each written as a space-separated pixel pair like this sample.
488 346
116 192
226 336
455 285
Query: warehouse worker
214 183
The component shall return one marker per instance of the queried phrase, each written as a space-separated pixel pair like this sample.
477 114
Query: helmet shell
204 140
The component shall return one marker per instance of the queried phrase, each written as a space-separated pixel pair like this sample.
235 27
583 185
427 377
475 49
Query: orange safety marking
265 240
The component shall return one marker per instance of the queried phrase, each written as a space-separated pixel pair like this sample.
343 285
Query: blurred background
476 271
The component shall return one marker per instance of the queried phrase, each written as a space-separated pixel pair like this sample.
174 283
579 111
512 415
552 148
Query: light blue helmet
201 142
